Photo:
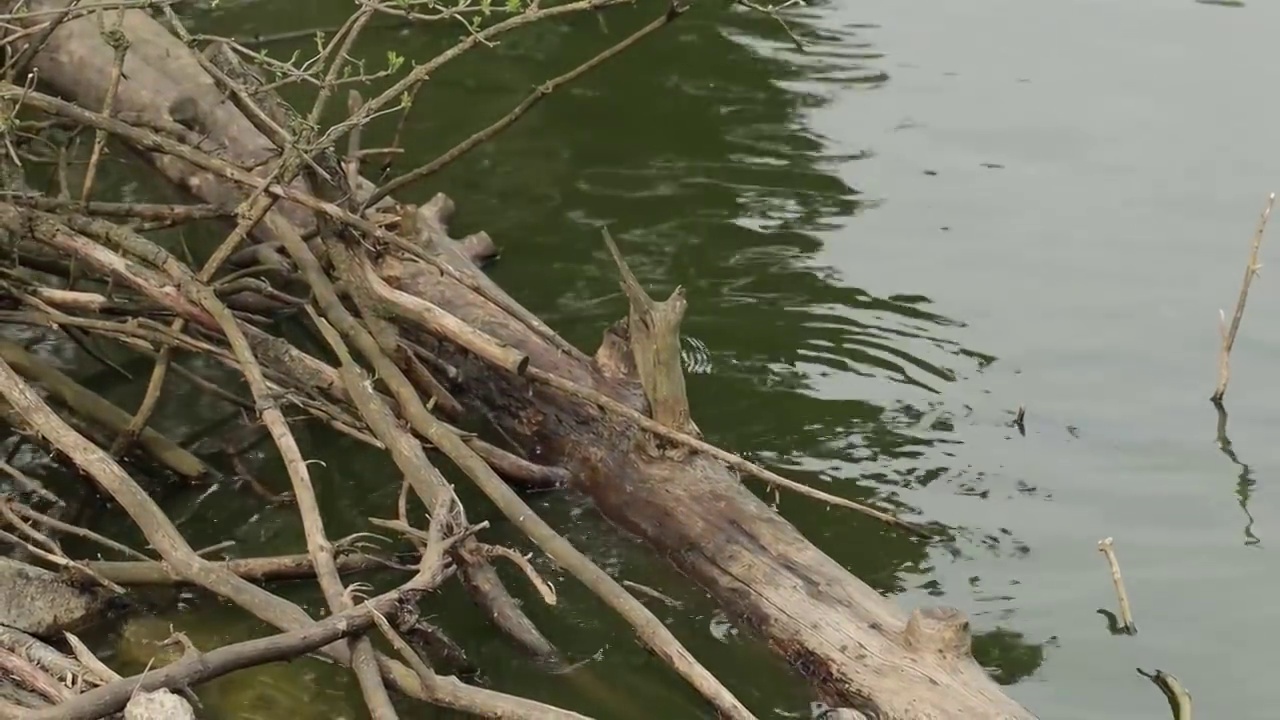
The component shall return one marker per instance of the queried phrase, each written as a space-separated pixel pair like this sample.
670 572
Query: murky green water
938 212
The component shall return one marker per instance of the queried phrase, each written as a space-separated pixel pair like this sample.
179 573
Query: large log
857 648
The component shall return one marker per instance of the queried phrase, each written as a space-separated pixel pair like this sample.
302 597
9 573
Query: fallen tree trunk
857 648
854 646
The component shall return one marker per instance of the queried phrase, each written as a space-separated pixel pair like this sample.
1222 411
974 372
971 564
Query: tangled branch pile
418 342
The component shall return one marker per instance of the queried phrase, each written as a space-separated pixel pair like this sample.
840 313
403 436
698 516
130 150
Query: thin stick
646 590
55 524
119 42
540 92
1106 546
102 673
199 667
1229 333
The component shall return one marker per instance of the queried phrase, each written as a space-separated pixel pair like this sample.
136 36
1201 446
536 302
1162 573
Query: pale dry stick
29 674
40 654
1229 333
257 569
287 168
354 25
539 93
91 662
135 336
352 160
546 589
405 449
71 566
251 211
179 212
24 528
58 525
152 141
318 545
100 411
775 13
421 72
22 12
1106 546
117 40
415 661
648 628
196 666
216 578
655 594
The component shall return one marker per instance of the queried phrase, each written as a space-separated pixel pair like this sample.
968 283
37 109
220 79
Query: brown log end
943 631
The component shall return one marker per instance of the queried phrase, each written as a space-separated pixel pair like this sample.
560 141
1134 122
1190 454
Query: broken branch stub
655 347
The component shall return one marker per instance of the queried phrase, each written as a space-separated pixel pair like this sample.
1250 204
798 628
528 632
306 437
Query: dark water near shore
938 212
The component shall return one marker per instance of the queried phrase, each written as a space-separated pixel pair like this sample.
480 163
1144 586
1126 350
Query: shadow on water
1245 482
694 150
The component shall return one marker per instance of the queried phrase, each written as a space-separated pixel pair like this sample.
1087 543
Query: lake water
936 213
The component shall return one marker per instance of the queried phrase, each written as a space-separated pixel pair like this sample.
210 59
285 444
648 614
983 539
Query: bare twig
542 91
1107 547
119 42
1229 332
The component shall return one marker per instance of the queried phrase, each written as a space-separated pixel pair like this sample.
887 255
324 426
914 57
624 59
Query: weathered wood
849 641
654 329
162 73
856 647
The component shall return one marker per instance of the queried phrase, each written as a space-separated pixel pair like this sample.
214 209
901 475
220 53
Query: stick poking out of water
1229 332
1107 547
1179 698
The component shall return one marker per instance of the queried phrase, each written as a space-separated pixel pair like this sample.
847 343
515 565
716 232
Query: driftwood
388 288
